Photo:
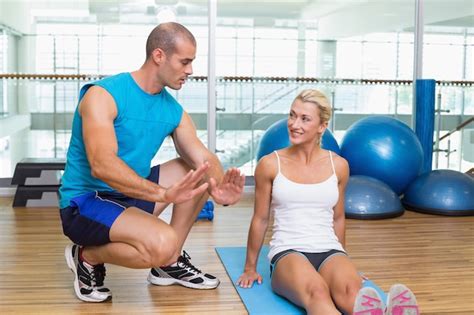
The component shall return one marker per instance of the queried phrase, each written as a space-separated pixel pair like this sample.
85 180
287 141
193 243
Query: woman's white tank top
303 214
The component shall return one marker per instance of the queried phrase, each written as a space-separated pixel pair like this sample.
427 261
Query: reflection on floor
430 254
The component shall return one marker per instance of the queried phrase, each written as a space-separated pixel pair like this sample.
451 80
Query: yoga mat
260 299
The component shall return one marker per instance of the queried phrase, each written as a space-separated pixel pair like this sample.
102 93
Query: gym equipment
383 148
260 299
207 212
444 192
276 137
425 92
37 181
370 198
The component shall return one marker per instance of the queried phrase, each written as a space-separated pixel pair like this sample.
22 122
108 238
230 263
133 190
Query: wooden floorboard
433 255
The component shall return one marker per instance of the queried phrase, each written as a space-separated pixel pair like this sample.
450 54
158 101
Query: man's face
178 65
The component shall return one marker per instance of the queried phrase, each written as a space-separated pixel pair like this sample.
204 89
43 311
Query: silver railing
251 105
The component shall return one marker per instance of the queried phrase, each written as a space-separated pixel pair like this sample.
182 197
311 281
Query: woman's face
304 123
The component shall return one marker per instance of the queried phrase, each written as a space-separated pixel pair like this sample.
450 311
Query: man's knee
160 247
173 171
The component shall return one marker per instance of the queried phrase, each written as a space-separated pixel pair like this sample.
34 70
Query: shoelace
185 260
98 275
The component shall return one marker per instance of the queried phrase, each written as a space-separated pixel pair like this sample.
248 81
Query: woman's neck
306 153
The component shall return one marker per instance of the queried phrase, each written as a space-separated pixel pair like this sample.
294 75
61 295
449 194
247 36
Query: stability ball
384 148
370 198
276 137
445 192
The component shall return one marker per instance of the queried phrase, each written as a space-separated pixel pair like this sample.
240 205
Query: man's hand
184 190
230 188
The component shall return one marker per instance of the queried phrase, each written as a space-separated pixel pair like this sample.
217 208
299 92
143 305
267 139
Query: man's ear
158 55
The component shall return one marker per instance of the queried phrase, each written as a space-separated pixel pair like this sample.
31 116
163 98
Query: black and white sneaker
88 280
183 273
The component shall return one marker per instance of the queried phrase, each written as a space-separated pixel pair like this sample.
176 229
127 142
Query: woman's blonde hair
319 99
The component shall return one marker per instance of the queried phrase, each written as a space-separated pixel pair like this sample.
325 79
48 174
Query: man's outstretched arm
224 187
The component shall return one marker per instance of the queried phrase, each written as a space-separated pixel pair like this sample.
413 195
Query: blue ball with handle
207 212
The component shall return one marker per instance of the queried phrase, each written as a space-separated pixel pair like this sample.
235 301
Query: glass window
276 51
255 40
436 48
349 59
3 109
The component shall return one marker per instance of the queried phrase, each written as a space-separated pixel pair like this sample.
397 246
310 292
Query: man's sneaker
183 273
368 302
88 280
401 301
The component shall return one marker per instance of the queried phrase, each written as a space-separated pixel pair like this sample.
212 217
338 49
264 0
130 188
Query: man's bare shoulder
97 95
96 91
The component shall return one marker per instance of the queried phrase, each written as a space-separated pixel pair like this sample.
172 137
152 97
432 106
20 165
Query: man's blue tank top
143 121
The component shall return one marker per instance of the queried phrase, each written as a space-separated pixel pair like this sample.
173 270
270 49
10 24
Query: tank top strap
332 163
278 161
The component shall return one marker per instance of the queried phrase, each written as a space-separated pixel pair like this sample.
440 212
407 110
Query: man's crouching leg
138 240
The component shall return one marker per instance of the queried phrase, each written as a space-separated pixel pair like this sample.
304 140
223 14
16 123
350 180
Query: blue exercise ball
370 198
276 137
384 148
445 192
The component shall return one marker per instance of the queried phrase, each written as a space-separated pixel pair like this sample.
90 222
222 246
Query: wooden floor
433 255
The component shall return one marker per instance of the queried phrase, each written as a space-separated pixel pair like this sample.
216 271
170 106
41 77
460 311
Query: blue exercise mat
260 299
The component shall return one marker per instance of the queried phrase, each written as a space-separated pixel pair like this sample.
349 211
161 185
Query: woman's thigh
294 276
343 280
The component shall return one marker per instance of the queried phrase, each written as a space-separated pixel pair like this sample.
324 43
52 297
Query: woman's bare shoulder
267 166
340 163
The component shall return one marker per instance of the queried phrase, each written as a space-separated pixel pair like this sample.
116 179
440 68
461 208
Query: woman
303 185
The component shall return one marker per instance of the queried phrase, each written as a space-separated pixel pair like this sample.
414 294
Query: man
109 197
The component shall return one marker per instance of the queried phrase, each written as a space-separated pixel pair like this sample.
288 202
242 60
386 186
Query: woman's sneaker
88 280
401 301
183 273
368 302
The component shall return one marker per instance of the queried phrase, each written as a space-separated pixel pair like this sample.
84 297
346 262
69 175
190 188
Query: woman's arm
342 172
264 174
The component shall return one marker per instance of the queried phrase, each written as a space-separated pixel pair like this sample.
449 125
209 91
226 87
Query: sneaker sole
368 302
395 290
170 281
72 266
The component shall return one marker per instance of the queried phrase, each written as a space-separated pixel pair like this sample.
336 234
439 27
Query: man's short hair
165 36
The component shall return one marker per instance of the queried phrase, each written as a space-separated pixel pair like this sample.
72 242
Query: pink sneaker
368 302
401 301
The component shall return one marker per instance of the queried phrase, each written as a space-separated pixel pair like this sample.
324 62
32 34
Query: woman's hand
247 279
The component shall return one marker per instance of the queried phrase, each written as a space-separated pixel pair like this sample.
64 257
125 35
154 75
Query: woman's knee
351 292
318 291
346 293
